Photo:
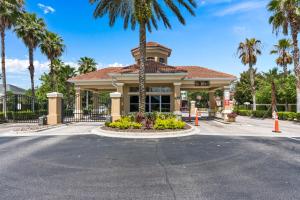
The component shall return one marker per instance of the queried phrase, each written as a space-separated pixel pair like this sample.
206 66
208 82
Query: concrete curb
143 135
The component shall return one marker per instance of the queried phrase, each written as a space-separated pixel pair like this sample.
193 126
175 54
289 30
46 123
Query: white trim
115 95
209 79
54 94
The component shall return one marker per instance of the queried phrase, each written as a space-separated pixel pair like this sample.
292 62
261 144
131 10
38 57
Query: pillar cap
55 94
177 84
115 95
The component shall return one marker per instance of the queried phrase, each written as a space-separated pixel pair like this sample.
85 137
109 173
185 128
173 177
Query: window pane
165 108
165 99
134 107
155 89
155 99
134 99
147 107
166 89
155 108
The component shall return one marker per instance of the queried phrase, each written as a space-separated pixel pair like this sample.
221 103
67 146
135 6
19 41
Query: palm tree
52 46
87 65
31 30
9 12
270 77
145 13
248 52
282 49
286 18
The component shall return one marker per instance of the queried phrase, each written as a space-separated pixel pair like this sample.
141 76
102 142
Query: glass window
155 99
165 99
157 103
161 60
155 89
165 107
134 103
166 89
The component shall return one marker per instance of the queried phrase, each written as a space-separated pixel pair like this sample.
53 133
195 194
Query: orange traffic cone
276 130
196 119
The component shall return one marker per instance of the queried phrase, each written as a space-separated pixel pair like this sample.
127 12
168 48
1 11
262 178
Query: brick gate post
54 108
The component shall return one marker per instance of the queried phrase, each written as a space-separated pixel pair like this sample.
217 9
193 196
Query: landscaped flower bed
151 122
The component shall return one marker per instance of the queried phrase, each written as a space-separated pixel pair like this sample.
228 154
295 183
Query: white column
115 105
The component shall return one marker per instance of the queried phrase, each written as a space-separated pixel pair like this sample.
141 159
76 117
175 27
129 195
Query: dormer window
151 59
162 60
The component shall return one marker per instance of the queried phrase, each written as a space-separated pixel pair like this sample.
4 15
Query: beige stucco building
164 83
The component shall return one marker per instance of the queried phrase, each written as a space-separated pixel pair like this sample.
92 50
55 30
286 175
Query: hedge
291 116
22 115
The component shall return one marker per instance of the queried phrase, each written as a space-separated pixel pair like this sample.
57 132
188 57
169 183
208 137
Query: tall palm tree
248 52
52 46
286 18
9 12
87 65
282 49
145 13
271 76
30 29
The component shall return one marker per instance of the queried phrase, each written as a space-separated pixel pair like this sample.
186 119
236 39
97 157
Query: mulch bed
144 130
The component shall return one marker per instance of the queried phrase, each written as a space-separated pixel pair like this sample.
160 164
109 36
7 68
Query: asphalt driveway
197 167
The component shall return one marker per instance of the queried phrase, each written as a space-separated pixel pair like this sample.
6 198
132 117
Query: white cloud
240 30
46 9
241 7
19 66
116 64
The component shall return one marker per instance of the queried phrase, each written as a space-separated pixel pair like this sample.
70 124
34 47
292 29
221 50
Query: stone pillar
193 108
120 89
54 108
115 105
177 99
96 102
78 113
226 103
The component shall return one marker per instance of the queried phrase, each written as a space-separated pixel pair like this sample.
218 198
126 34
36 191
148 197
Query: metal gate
93 108
22 109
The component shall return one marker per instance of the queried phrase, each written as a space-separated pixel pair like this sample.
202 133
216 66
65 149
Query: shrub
124 123
172 123
287 116
136 125
298 116
232 115
261 113
245 112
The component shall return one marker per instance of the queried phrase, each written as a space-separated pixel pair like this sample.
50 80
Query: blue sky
210 39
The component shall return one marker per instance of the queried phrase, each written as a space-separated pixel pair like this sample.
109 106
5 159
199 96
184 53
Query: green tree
87 65
248 52
243 89
10 10
146 14
30 29
271 76
282 49
64 72
286 18
52 46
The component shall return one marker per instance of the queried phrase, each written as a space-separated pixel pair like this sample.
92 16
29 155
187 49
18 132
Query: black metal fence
22 108
94 108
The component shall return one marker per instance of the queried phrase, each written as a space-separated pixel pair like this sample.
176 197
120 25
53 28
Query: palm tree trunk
252 82
285 84
31 71
273 96
296 60
52 86
3 71
142 77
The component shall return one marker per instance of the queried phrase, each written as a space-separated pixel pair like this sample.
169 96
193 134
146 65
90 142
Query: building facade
166 85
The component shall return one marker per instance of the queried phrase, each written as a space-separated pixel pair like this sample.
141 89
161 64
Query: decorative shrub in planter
231 117
147 122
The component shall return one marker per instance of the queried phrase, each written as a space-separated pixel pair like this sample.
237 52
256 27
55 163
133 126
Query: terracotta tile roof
151 67
99 74
153 44
193 72
202 72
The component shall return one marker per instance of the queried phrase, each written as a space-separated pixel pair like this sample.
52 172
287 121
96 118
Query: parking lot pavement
196 167
246 126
